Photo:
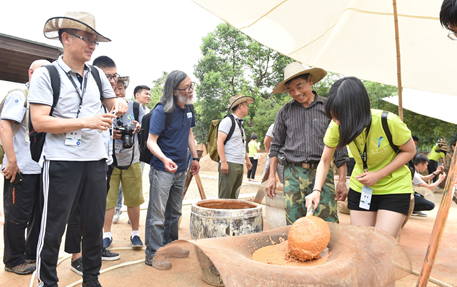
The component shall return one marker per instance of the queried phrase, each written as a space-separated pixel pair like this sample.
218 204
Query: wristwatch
196 158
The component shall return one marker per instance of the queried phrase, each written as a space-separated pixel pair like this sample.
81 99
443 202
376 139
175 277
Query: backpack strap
386 129
55 84
232 129
96 75
136 110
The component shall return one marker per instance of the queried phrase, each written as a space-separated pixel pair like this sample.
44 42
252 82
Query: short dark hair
253 137
348 102
420 159
448 14
235 107
104 62
68 31
140 88
416 139
304 77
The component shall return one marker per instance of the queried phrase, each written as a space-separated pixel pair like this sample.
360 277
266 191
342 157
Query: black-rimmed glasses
452 35
191 87
87 40
112 77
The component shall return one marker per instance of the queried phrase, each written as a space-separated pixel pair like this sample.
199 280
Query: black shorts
392 202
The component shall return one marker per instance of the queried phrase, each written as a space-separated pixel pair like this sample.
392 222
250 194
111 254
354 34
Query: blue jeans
164 209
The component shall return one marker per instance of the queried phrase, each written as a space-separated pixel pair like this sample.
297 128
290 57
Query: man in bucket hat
232 153
298 144
74 155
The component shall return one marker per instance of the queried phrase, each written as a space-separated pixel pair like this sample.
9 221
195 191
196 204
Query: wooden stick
397 46
200 186
438 227
189 178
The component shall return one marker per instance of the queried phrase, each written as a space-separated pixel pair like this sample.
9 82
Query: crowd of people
90 158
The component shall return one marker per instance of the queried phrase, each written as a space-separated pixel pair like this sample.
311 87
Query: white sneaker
117 214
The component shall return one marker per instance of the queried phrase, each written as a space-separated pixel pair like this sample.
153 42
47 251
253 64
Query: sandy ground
186 272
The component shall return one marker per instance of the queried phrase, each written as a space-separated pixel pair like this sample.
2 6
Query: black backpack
145 153
386 129
37 139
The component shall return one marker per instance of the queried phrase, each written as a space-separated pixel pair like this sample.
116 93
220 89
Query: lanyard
78 90
241 129
364 155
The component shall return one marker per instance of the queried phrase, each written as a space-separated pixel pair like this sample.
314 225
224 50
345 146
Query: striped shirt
299 133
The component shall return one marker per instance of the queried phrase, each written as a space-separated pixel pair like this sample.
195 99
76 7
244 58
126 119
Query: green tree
157 90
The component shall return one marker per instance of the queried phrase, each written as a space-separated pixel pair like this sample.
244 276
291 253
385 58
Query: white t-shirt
270 131
235 148
124 155
14 110
92 146
417 179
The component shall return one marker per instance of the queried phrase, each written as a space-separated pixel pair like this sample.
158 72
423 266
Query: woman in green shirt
253 156
380 187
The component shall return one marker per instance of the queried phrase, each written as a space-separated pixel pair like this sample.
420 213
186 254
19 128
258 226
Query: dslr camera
126 132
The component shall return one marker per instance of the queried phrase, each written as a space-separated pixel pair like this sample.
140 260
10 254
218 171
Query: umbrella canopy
352 37
433 105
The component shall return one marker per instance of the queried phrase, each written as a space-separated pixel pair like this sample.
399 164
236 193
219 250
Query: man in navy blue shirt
168 144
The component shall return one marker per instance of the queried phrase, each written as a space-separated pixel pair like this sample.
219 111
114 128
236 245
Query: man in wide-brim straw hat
74 155
298 144
232 150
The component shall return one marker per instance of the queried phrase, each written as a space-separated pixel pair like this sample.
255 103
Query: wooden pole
438 227
189 177
397 44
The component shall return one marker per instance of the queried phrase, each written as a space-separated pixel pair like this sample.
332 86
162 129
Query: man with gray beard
170 134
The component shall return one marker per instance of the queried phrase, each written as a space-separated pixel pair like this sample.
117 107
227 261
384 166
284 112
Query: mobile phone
18 178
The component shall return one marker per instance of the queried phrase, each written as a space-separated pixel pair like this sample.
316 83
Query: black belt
306 165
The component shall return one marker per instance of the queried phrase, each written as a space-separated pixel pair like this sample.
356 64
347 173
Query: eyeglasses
191 87
113 77
87 40
452 35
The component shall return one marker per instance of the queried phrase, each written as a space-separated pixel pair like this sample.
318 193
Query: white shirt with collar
92 142
235 148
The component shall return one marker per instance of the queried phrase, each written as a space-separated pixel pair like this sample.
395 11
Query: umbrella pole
397 44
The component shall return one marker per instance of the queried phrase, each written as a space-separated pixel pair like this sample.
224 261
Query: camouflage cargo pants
299 182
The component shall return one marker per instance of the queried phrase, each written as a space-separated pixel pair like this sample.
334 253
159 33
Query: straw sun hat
125 80
83 21
296 69
238 99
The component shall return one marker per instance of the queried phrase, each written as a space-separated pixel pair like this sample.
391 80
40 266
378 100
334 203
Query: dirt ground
130 270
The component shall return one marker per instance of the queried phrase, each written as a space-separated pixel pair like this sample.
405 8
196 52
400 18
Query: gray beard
185 100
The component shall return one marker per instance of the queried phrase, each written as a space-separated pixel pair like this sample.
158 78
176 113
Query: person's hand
341 190
224 167
270 189
120 106
116 134
313 199
442 177
368 178
137 127
170 166
10 171
195 167
439 169
248 164
100 122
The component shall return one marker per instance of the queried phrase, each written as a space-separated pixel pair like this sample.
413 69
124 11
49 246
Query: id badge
243 150
73 138
110 147
189 115
117 146
365 198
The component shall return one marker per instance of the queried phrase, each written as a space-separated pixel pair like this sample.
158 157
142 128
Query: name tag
73 138
117 146
189 115
365 198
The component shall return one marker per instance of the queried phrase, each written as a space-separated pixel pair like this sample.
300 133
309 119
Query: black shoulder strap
232 129
55 84
386 129
168 116
97 79
136 110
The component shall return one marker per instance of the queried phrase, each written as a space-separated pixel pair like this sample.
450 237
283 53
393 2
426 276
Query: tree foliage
157 89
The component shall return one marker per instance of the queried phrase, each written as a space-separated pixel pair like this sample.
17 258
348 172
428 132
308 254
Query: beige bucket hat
83 21
238 99
125 80
296 69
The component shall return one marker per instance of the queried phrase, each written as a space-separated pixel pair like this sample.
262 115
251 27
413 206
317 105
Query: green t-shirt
252 148
436 155
379 153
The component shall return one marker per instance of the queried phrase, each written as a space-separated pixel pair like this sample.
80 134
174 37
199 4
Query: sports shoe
136 241
30 261
117 214
109 256
419 213
107 242
22 269
92 283
77 266
175 252
159 263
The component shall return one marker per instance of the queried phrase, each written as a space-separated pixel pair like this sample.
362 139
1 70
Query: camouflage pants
299 182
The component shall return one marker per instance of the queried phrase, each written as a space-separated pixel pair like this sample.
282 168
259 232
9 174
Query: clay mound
308 237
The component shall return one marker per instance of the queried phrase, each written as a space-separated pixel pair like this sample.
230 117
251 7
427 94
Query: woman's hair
348 102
